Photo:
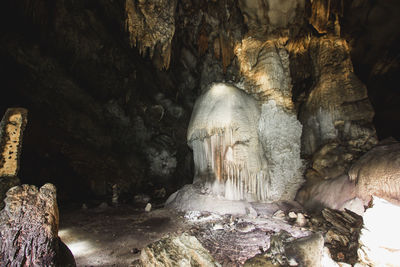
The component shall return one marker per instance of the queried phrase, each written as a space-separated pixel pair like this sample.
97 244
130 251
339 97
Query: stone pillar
11 129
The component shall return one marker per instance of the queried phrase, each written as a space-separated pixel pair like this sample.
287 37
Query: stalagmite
11 129
228 156
238 153
29 229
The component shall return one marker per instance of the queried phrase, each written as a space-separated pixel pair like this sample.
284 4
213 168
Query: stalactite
226 46
233 179
203 41
151 26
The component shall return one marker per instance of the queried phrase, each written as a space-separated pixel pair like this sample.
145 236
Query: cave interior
110 87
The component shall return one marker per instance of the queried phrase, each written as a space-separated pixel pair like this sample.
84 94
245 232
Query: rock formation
338 106
181 250
227 152
151 25
239 152
29 229
12 127
11 131
377 173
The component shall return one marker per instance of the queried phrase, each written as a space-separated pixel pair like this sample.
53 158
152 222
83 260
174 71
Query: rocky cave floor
104 235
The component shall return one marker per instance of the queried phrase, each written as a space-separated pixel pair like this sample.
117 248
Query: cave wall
110 85
99 113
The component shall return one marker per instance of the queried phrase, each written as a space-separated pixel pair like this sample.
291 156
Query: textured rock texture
181 250
12 127
151 25
332 193
337 107
269 16
280 133
377 173
285 250
29 229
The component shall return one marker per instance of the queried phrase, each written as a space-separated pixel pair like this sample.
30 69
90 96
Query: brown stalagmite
11 129
29 229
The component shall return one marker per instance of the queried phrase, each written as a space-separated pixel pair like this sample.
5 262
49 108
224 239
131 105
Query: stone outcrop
29 229
337 107
332 193
264 66
285 250
180 250
377 173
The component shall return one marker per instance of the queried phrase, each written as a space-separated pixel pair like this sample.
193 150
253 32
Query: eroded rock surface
377 173
151 25
180 250
12 127
337 107
11 132
29 228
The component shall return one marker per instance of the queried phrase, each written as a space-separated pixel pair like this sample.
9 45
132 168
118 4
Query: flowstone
239 153
228 156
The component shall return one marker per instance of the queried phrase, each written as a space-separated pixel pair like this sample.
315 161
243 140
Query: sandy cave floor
113 236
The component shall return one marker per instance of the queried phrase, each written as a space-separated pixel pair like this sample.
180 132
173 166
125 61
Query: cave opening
122 113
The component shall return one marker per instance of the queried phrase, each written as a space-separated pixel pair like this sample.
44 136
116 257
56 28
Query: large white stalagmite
228 157
241 153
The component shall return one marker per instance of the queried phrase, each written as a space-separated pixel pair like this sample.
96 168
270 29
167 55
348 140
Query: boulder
378 173
177 250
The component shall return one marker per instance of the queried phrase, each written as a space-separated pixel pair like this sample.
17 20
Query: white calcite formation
228 156
242 153
280 134
379 241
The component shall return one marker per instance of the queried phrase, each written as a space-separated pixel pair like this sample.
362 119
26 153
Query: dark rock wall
100 114
110 88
